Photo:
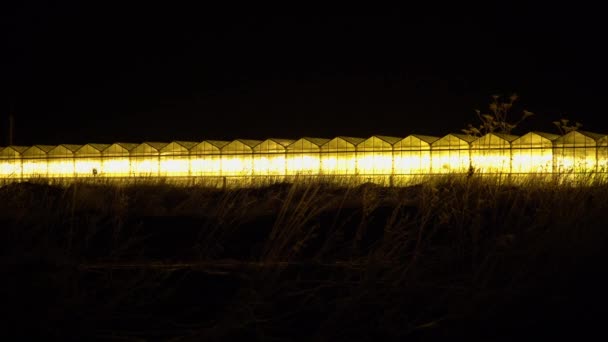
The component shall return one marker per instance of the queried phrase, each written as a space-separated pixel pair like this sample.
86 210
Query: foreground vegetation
452 257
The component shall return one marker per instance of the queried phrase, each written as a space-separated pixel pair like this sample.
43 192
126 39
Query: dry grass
452 256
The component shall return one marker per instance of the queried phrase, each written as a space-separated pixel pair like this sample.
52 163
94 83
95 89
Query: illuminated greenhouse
269 157
375 155
237 158
10 162
304 156
412 155
451 154
88 161
381 159
60 161
576 151
205 158
174 159
116 160
34 161
338 156
492 153
533 153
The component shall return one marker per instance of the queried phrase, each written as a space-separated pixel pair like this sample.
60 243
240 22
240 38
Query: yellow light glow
269 164
87 167
235 165
10 168
144 166
532 161
338 163
380 163
412 163
115 167
60 167
34 168
209 165
373 159
174 166
449 162
302 164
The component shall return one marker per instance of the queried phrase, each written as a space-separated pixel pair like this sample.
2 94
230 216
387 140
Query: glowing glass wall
533 153
116 160
303 156
375 155
88 160
451 154
145 159
61 161
602 154
269 157
237 158
371 159
34 162
10 162
412 155
339 156
205 158
575 152
492 153
175 159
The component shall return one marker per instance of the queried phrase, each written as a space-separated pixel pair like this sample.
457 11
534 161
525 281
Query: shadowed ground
453 258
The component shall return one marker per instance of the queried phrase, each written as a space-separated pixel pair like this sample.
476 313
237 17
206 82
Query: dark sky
75 74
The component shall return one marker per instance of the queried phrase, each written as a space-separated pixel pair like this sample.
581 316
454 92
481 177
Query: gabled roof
184 145
545 135
426 138
283 143
66 147
353 140
248 143
155 144
387 139
187 144
44 148
217 143
128 147
12 150
484 141
462 139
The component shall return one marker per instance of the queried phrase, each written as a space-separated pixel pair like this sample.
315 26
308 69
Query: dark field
453 258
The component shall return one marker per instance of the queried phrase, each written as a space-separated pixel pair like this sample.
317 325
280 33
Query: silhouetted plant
496 120
564 126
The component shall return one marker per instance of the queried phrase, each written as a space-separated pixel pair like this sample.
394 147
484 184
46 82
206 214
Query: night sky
76 74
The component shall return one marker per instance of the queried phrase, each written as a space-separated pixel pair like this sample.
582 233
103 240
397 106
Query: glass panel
10 168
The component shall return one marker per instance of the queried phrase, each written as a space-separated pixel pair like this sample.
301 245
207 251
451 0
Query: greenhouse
602 154
269 157
304 156
492 153
576 151
116 160
88 161
34 161
175 158
205 158
10 162
412 155
375 155
451 154
237 158
145 159
533 153
381 159
339 156
60 161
